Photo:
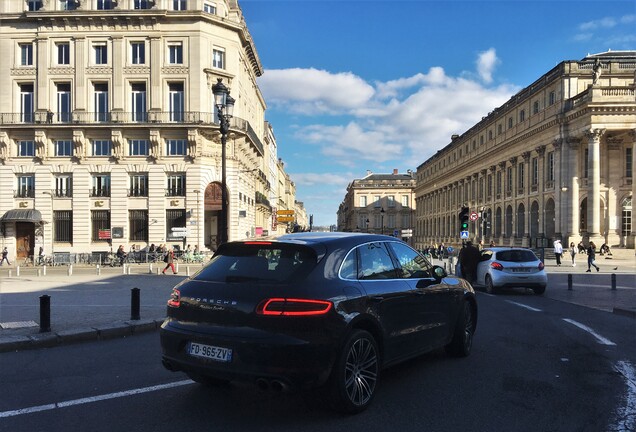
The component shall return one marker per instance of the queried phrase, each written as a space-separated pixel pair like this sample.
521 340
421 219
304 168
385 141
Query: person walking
558 251
169 260
5 256
591 255
468 259
573 252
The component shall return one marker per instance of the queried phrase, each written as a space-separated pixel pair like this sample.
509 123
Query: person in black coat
469 257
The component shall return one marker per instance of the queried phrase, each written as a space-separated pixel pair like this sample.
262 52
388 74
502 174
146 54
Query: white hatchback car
506 267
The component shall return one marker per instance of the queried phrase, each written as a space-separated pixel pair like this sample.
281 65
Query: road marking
49 407
524 306
599 338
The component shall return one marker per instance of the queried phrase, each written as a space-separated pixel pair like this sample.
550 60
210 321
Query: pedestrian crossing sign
463 234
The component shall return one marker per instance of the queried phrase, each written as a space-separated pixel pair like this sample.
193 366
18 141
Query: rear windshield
516 256
262 262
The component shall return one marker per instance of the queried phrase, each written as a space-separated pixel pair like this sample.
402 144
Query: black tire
206 380
462 342
490 288
539 290
354 378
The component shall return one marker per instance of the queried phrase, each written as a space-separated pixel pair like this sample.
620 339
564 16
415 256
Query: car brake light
293 307
175 298
257 243
497 266
541 266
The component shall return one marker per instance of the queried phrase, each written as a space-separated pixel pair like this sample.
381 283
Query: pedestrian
480 246
591 255
5 256
492 243
169 260
469 257
440 252
573 252
558 251
121 255
41 256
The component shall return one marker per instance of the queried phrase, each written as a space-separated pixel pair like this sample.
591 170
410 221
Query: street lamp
367 225
382 219
225 107
197 191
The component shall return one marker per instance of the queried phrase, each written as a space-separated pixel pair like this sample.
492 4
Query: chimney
395 171
368 173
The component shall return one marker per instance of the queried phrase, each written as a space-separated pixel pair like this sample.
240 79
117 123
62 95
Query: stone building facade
108 130
379 203
555 161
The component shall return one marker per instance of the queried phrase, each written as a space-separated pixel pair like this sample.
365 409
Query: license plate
210 352
521 270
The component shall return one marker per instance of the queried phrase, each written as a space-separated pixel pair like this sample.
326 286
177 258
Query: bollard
150 268
45 314
187 270
158 270
123 268
98 269
9 272
128 270
69 270
17 271
569 282
44 270
39 273
134 303
613 282
176 268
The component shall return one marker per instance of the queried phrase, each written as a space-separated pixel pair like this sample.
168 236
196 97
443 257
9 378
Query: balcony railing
173 192
137 192
24 193
100 192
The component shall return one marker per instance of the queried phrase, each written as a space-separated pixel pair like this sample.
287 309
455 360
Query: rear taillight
497 266
293 307
541 266
175 298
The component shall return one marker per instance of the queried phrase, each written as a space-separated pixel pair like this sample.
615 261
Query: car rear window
259 261
516 256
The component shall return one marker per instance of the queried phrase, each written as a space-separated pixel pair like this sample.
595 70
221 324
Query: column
118 91
80 73
560 210
155 74
43 65
573 189
631 237
594 184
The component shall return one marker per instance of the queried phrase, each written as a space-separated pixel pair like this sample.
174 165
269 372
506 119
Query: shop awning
21 215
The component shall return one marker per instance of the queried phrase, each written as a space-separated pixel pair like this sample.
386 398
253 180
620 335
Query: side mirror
439 272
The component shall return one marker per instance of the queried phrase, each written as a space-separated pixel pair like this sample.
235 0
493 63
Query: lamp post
382 219
367 226
198 192
225 107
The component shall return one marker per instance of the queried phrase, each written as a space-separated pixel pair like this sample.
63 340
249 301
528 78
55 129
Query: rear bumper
296 362
504 280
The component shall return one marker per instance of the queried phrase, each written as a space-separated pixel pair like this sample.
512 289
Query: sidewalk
93 304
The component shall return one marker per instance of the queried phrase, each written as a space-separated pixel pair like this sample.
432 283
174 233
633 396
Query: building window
509 122
141 4
174 219
26 103
68 5
489 186
521 168
26 186
26 54
586 163
176 147
138 92
551 98
63 186
405 200
628 162
179 5
218 59
175 53
64 102
489 135
138 221
34 5
101 101
137 147
100 51
176 185
498 183
481 140
391 221
509 179
138 185
626 217
376 201
499 129
102 148
104 4
26 149
535 107
391 200
63 148
522 115
535 171
209 8
101 185
63 53
100 221
176 101
138 52
363 201
550 166
63 226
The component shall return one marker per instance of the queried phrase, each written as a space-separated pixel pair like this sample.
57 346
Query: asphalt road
538 364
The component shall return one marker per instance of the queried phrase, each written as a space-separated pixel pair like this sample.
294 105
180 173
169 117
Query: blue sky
357 85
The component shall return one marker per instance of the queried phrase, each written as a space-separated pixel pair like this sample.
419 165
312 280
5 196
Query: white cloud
607 22
313 91
313 179
486 63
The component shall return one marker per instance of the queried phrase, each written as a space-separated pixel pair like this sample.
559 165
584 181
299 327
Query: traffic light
463 219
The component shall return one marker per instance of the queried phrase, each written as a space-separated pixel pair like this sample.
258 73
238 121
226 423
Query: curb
65 337
630 313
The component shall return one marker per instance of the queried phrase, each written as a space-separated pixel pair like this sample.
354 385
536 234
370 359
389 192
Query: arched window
521 219
626 217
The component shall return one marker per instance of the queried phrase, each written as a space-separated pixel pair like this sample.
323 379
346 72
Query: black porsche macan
306 310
